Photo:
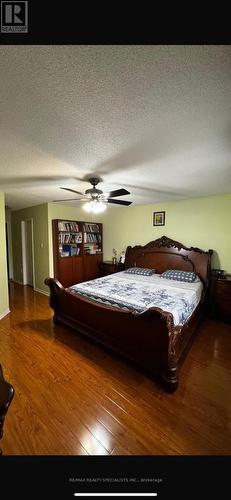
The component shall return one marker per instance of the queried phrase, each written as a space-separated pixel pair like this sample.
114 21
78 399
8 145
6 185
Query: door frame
7 252
24 262
10 268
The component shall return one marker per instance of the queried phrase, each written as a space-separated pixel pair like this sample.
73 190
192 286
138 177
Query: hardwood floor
73 397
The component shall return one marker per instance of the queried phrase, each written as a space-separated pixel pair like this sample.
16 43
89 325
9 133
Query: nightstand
220 297
107 267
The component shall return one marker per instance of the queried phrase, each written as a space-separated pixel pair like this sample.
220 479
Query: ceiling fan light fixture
94 206
97 200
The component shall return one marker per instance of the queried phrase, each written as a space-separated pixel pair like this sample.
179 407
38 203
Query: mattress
139 293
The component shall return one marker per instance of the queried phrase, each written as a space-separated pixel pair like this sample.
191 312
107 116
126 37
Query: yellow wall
4 299
201 222
39 215
56 211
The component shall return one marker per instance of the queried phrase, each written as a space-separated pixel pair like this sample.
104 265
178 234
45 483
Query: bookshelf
92 238
77 250
70 238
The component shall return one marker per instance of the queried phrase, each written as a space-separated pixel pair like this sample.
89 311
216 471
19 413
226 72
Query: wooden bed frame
150 340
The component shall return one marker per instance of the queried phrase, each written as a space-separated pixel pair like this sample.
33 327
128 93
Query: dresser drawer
221 298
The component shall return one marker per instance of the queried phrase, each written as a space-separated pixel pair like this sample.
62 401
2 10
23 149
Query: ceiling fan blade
119 202
118 192
72 190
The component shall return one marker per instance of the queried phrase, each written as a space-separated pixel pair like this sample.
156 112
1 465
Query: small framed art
158 218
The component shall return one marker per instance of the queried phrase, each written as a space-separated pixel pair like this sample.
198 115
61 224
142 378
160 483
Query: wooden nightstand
220 297
107 267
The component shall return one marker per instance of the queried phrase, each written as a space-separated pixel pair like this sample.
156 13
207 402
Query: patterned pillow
174 274
144 271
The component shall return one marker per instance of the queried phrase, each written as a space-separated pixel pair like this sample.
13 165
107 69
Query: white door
29 258
27 235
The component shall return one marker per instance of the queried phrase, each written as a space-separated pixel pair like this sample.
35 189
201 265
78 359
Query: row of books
70 237
92 249
91 228
68 226
91 238
69 251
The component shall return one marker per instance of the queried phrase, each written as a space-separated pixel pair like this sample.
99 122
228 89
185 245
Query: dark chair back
6 396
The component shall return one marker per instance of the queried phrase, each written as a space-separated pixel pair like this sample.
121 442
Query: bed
146 332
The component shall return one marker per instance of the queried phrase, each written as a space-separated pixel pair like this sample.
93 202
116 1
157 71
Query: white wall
4 296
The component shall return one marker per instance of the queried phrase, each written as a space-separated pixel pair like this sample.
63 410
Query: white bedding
139 293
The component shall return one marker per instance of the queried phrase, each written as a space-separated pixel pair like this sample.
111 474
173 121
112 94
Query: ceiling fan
95 199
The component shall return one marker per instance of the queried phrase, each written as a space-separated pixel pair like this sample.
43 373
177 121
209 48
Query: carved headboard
164 253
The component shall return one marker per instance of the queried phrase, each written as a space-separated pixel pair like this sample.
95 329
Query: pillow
144 271
174 274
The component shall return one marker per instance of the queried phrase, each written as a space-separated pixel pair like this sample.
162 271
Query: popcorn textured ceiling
152 119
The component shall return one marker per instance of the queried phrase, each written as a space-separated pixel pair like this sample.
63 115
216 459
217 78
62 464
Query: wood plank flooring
73 397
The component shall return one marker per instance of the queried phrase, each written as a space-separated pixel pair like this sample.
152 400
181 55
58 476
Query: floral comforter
140 293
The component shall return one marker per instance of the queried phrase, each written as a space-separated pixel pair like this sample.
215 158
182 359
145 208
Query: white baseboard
41 291
35 288
4 313
19 282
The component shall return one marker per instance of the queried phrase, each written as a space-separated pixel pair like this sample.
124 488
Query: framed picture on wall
158 218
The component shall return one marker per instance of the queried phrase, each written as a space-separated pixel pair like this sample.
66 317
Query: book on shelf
91 228
75 251
70 237
68 226
92 249
69 251
91 238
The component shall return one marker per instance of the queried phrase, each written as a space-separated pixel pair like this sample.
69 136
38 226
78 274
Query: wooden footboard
149 340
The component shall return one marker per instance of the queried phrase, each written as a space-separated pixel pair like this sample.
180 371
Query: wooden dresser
220 297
